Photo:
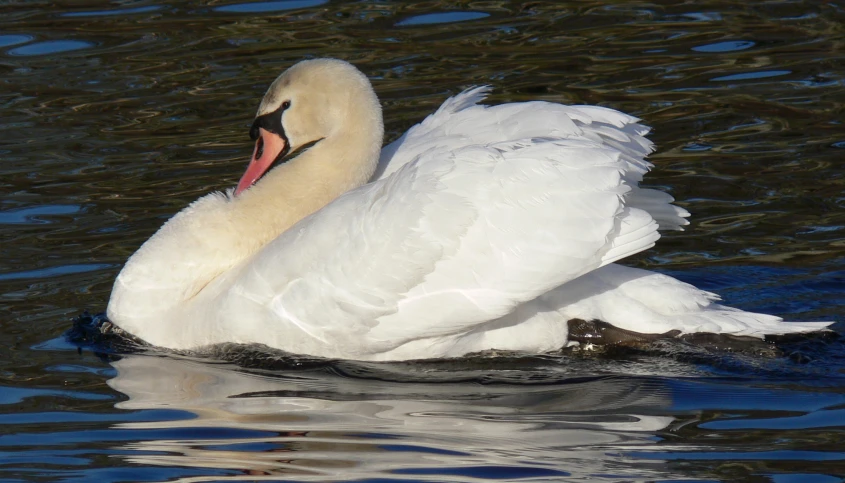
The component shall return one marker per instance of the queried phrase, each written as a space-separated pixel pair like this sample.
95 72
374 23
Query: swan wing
535 214
486 208
461 121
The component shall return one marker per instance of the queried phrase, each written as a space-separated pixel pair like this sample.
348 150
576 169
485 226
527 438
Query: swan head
308 104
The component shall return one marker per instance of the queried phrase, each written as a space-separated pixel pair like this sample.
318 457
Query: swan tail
653 303
719 319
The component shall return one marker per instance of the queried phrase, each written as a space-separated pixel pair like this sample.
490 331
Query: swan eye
285 104
259 148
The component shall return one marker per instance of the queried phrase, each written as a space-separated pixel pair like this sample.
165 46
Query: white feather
485 227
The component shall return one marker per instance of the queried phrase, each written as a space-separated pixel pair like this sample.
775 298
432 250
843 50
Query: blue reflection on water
14 395
30 214
84 417
50 47
803 478
117 11
484 472
60 438
55 271
7 40
699 396
727 46
446 17
751 75
819 419
258 7
777 455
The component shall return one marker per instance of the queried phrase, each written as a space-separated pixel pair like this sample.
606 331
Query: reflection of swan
486 227
308 423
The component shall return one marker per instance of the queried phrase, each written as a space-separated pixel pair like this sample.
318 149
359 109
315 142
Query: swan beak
267 148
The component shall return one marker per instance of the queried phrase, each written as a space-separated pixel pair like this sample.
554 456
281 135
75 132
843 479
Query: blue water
116 115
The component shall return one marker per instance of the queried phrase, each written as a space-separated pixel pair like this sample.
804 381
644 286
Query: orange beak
267 149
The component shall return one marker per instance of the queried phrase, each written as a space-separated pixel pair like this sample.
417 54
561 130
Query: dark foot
98 334
601 333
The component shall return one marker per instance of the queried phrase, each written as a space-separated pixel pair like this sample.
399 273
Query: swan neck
305 184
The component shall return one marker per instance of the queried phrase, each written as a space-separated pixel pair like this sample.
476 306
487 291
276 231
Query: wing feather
474 212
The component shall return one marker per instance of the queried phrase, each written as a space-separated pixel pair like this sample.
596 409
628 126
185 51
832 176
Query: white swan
483 227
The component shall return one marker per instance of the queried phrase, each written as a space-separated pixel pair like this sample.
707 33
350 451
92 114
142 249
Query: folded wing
477 210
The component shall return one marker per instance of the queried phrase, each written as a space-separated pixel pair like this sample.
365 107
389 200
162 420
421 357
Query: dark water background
114 115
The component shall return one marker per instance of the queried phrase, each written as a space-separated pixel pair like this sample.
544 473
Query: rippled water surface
114 115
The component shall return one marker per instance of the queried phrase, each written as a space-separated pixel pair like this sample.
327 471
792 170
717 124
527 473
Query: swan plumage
482 227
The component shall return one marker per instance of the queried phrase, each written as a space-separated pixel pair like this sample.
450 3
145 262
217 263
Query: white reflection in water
312 425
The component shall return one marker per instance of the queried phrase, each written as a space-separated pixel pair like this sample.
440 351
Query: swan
482 227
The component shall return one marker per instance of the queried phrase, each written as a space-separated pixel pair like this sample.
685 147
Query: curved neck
305 184
218 232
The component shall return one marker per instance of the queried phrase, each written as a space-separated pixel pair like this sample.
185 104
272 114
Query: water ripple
116 115
441 18
262 7
48 47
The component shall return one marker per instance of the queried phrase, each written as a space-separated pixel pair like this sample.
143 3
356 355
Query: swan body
482 227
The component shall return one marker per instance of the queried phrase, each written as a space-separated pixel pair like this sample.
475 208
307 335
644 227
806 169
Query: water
114 115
